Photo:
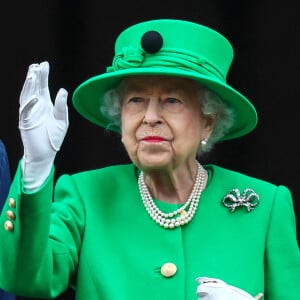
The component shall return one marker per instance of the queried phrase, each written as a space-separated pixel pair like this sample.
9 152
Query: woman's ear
209 123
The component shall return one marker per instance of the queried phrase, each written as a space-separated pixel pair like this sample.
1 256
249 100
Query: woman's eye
173 100
135 100
134 104
173 105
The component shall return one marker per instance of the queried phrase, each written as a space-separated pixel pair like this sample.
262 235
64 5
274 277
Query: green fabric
100 239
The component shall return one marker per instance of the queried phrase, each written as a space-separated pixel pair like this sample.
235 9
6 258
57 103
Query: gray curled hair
211 104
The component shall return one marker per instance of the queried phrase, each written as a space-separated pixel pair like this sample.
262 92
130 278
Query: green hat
173 48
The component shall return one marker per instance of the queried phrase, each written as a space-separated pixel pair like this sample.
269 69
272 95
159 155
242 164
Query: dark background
77 38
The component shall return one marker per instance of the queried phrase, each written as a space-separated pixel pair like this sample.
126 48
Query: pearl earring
204 142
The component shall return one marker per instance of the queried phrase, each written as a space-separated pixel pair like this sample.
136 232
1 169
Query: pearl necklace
180 216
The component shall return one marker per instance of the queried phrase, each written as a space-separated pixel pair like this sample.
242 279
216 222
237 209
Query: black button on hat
151 41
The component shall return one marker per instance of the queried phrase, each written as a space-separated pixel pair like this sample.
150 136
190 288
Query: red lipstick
153 139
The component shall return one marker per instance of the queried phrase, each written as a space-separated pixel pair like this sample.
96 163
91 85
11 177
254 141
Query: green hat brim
88 96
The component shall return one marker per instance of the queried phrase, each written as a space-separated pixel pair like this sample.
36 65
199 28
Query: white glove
42 125
216 289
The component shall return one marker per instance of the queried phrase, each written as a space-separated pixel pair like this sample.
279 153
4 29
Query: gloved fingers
201 295
25 114
60 106
208 281
217 289
29 88
57 125
36 83
44 75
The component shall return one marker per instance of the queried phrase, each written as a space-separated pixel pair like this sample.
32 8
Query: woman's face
162 121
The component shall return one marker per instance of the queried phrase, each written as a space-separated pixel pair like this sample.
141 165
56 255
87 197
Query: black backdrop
77 38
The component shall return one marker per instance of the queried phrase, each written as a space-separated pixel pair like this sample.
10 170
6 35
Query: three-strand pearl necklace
183 214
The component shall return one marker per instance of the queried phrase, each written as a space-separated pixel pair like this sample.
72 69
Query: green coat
98 237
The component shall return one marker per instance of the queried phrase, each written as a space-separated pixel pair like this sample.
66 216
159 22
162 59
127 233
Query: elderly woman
164 226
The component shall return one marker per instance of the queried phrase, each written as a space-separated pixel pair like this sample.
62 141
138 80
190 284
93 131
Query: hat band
171 58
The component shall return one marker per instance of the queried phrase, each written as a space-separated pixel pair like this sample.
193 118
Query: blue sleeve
5 178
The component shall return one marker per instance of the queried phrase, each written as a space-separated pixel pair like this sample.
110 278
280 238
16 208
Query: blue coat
4 187
4 174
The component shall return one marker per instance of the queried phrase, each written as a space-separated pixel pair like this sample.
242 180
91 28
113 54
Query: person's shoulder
223 179
110 170
234 176
108 177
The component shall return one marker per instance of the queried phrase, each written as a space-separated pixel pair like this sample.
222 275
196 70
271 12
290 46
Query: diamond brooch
235 198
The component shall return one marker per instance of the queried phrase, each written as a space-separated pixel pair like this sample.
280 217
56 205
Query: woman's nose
153 113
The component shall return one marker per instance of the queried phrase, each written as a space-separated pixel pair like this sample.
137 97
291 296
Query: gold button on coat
9 226
11 215
168 269
12 202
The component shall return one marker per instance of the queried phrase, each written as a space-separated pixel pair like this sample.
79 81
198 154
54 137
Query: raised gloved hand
42 125
216 289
